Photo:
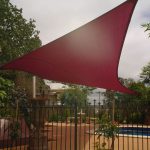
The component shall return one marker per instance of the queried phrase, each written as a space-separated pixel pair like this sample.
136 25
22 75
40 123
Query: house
97 96
55 89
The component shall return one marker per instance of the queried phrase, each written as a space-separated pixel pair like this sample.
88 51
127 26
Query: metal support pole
99 96
113 119
34 87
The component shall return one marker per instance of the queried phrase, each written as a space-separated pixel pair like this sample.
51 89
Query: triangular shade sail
87 56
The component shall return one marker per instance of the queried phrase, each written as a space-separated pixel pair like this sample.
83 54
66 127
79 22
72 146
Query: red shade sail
87 56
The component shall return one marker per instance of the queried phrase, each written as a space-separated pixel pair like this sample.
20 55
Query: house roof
56 86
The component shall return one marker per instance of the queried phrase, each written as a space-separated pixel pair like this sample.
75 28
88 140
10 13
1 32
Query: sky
55 18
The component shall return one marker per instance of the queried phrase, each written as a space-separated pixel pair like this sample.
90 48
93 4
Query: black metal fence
125 126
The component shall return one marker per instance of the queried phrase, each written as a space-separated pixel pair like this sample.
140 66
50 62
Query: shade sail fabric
88 56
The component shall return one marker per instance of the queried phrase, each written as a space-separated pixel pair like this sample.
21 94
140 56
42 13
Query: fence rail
60 127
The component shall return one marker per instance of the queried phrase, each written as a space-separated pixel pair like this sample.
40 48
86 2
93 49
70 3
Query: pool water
135 131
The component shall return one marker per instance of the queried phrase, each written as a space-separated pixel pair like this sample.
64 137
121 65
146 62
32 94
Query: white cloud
55 18
136 50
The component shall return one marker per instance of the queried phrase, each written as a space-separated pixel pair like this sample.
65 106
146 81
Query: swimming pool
135 131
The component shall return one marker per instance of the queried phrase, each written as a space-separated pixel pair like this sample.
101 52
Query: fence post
75 129
113 119
113 109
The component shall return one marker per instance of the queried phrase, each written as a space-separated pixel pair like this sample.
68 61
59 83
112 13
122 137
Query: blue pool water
135 131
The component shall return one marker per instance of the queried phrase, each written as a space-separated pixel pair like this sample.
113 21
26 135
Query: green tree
147 27
17 35
68 97
10 97
108 130
145 74
5 90
137 104
108 97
